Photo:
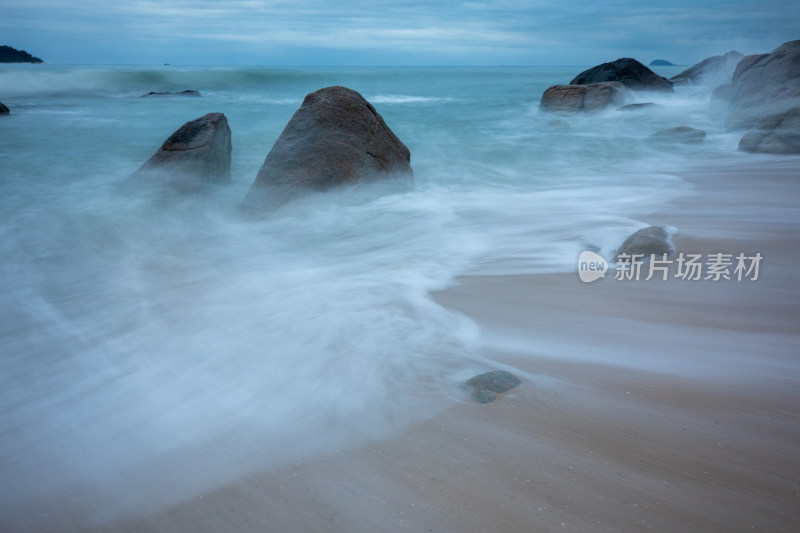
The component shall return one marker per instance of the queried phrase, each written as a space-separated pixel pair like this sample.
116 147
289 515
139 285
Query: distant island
661 63
12 55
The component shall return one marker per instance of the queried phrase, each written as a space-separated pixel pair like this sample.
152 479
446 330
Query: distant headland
12 55
661 63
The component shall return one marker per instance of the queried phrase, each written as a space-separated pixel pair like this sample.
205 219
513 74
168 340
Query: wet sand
645 406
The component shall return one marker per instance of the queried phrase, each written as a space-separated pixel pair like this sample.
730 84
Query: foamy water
156 348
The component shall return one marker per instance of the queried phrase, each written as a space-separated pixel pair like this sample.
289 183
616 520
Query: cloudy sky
398 32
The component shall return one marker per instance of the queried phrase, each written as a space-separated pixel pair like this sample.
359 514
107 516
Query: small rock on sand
485 387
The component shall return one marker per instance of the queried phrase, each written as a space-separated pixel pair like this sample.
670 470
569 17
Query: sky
411 32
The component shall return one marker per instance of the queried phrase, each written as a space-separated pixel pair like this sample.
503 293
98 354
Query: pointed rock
335 138
197 154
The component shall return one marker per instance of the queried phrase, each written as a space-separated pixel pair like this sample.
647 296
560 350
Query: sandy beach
645 405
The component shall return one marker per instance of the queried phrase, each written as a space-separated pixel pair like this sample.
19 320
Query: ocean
155 348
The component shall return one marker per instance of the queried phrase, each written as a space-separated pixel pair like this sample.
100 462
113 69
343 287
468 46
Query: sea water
155 348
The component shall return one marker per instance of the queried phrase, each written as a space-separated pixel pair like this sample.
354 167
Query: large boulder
335 138
764 86
197 154
765 98
712 71
647 241
627 71
778 134
3 109
587 98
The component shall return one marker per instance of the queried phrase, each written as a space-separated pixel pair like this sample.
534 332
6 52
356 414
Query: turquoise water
156 348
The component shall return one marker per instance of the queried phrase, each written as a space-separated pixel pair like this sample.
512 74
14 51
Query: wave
407 99
172 344
57 80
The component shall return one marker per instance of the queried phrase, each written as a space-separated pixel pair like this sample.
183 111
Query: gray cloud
392 32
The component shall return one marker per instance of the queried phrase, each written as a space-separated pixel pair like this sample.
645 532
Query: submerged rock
485 387
197 154
335 138
627 71
558 124
710 71
586 98
188 92
647 241
636 107
680 135
3 109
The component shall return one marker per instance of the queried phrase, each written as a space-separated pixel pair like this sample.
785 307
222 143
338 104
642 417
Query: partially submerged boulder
680 135
485 387
765 85
187 92
627 71
710 71
647 241
335 138
765 97
779 134
3 109
564 98
586 98
197 154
